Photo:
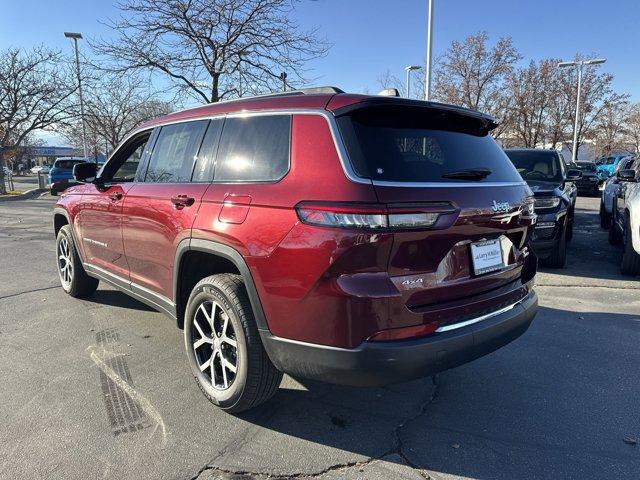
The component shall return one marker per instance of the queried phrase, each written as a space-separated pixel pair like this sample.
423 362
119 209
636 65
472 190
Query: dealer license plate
486 256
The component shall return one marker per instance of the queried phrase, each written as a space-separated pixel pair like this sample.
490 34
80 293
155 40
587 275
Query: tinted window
203 171
410 145
254 149
175 151
537 165
67 164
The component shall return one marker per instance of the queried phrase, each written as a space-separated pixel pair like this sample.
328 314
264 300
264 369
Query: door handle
181 201
115 196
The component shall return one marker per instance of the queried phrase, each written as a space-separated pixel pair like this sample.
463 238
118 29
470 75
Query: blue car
606 165
61 173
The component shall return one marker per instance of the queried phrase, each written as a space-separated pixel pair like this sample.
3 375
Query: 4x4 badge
500 206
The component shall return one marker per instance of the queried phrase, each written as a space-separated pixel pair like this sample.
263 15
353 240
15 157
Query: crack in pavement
397 449
29 291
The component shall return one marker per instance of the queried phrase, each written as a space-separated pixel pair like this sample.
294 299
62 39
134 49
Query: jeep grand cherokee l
555 200
353 239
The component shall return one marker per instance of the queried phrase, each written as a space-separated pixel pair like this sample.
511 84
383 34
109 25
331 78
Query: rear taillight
371 217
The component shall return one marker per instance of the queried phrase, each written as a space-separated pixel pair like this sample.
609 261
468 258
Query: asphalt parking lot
101 388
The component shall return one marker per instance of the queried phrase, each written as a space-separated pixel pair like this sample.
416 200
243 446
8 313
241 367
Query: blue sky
371 36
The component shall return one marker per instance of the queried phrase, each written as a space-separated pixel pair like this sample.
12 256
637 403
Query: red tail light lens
366 216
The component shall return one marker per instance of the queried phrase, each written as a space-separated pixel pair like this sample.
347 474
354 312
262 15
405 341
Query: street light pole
427 74
408 69
76 37
579 64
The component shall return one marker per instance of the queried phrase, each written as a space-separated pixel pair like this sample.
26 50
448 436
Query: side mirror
627 176
85 172
573 175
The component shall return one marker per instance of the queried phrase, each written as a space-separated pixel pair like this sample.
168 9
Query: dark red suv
355 239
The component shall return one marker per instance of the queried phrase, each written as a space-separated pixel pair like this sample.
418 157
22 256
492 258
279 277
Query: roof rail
301 91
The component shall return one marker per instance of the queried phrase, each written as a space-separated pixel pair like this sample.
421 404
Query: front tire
558 257
223 345
73 278
630 258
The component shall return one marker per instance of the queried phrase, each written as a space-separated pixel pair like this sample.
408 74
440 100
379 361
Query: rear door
159 210
448 164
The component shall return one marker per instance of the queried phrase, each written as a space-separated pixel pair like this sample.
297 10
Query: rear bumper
383 363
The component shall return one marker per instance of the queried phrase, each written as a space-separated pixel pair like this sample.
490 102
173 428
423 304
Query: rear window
413 145
67 164
537 165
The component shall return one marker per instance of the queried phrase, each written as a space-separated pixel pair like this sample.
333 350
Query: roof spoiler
488 122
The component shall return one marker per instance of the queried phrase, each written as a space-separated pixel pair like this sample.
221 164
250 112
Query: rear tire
615 237
605 217
630 258
558 257
229 365
73 278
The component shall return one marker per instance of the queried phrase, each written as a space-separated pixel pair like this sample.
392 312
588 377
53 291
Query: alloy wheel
65 264
214 343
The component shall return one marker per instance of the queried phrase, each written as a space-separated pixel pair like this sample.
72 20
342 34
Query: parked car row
620 213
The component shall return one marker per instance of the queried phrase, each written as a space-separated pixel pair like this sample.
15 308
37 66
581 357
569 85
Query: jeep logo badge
500 206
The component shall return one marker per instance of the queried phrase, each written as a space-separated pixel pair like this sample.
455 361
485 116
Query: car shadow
116 298
555 403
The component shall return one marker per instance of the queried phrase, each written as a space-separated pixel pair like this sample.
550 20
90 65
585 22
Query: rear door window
254 149
203 170
404 144
174 152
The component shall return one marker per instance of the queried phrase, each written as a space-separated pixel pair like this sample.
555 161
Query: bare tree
114 106
532 97
596 94
388 80
34 94
472 74
632 123
610 127
212 50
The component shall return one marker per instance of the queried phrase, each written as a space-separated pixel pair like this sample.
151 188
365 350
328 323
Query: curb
23 196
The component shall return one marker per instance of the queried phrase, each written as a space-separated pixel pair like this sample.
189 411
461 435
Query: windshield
540 165
606 161
586 166
67 164
403 144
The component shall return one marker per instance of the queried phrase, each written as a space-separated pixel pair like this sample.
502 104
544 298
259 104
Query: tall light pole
427 70
76 37
579 64
409 69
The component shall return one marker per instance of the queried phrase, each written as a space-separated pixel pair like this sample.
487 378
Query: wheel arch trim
61 211
230 254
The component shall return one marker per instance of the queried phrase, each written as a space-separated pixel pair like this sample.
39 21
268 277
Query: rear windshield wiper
469 174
